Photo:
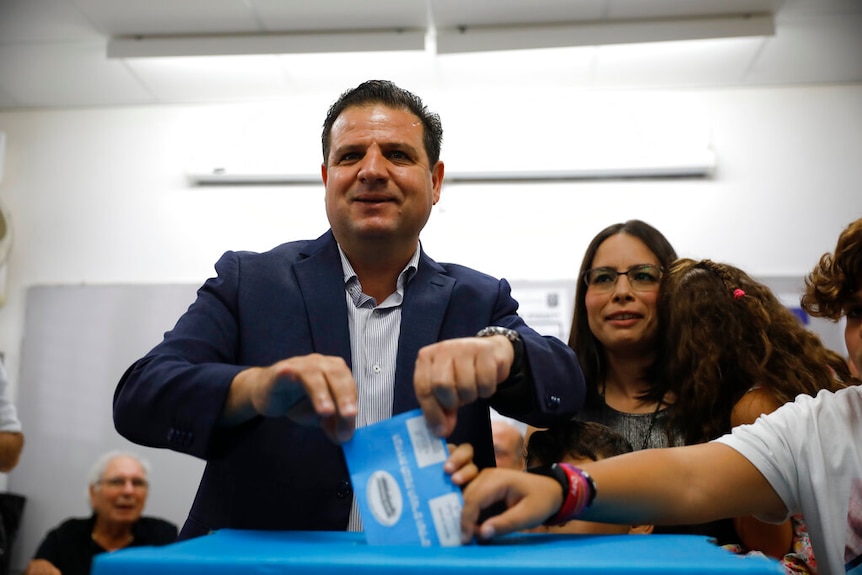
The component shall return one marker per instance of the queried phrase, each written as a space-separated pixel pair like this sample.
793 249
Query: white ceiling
53 53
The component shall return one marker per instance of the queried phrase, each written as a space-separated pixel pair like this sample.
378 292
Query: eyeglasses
120 482
644 277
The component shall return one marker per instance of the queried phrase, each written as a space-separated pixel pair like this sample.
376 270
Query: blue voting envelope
404 495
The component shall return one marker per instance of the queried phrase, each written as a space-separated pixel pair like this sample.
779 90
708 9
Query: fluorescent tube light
286 43
596 33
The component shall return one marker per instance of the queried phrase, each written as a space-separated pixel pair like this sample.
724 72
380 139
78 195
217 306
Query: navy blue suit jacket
270 473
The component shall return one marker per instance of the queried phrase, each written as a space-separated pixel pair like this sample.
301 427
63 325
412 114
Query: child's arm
682 485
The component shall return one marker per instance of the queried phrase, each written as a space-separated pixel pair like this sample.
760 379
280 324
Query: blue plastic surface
229 552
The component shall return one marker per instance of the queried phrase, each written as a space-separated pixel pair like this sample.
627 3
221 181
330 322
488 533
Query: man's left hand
456 372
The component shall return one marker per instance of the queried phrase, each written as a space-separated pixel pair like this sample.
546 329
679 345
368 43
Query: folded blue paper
404 495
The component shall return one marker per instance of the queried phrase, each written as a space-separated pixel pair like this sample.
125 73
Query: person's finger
465 474
442 380
515 518
431 409
460 464
337 428
530 500
464 376
459 455
309 371
488 373
478 494
327 380
343 390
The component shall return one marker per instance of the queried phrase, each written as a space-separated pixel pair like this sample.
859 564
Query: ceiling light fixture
597 33
143 46
448 40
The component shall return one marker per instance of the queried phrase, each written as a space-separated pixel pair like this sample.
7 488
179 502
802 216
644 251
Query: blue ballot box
233 552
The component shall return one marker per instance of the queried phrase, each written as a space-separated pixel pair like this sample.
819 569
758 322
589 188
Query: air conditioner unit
701 164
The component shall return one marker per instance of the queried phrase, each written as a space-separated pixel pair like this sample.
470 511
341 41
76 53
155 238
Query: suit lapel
425 302
321 281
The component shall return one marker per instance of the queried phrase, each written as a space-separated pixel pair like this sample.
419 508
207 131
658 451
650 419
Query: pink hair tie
738 293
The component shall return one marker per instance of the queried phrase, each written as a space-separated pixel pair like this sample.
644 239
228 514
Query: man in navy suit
284 353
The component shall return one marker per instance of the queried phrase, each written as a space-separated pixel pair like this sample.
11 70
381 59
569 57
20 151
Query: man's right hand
311 390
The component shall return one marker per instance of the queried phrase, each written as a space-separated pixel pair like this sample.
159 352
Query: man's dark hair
575 439
386 93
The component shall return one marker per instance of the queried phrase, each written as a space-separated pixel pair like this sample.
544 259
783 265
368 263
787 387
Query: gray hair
101 464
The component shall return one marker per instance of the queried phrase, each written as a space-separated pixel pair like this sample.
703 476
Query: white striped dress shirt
374 331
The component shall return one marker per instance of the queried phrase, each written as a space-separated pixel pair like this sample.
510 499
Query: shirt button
376 368
344 490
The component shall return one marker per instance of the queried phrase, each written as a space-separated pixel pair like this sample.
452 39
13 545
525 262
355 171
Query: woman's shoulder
754 403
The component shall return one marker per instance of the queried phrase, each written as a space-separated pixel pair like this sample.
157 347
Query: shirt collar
351 280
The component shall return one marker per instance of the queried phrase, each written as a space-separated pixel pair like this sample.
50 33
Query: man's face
121 492
379 185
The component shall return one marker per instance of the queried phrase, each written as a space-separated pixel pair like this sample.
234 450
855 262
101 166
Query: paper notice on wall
404 496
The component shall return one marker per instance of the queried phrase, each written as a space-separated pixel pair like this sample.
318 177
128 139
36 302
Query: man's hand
312 390
456 372
530 500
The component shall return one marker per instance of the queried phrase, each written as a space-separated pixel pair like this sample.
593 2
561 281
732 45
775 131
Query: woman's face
623 318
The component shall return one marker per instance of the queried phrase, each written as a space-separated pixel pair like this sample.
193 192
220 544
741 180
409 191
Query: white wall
100 195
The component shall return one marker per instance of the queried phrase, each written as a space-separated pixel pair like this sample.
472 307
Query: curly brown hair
722 333
836 276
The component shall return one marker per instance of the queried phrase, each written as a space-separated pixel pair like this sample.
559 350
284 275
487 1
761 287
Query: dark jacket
270 473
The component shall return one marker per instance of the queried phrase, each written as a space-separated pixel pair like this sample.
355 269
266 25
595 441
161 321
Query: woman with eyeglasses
117 492
804 457
615 332
710 350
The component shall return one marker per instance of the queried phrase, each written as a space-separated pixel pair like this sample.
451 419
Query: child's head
722 334
578 442
834 289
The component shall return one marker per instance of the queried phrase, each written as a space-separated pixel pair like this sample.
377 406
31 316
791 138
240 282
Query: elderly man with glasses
118 489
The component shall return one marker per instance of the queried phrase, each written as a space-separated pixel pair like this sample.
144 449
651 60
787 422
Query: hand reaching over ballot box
407 482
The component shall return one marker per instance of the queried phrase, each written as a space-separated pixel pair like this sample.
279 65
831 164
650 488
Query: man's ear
641 529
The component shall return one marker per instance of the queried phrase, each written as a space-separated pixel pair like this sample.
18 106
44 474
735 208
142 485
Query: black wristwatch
518 364
509 334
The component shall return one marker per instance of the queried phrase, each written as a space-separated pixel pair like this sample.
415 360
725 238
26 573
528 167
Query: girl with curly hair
731 351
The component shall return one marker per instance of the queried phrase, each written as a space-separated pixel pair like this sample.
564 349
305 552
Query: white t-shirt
810 451
8 414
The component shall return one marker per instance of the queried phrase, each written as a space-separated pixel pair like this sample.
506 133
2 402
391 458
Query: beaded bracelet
579 490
